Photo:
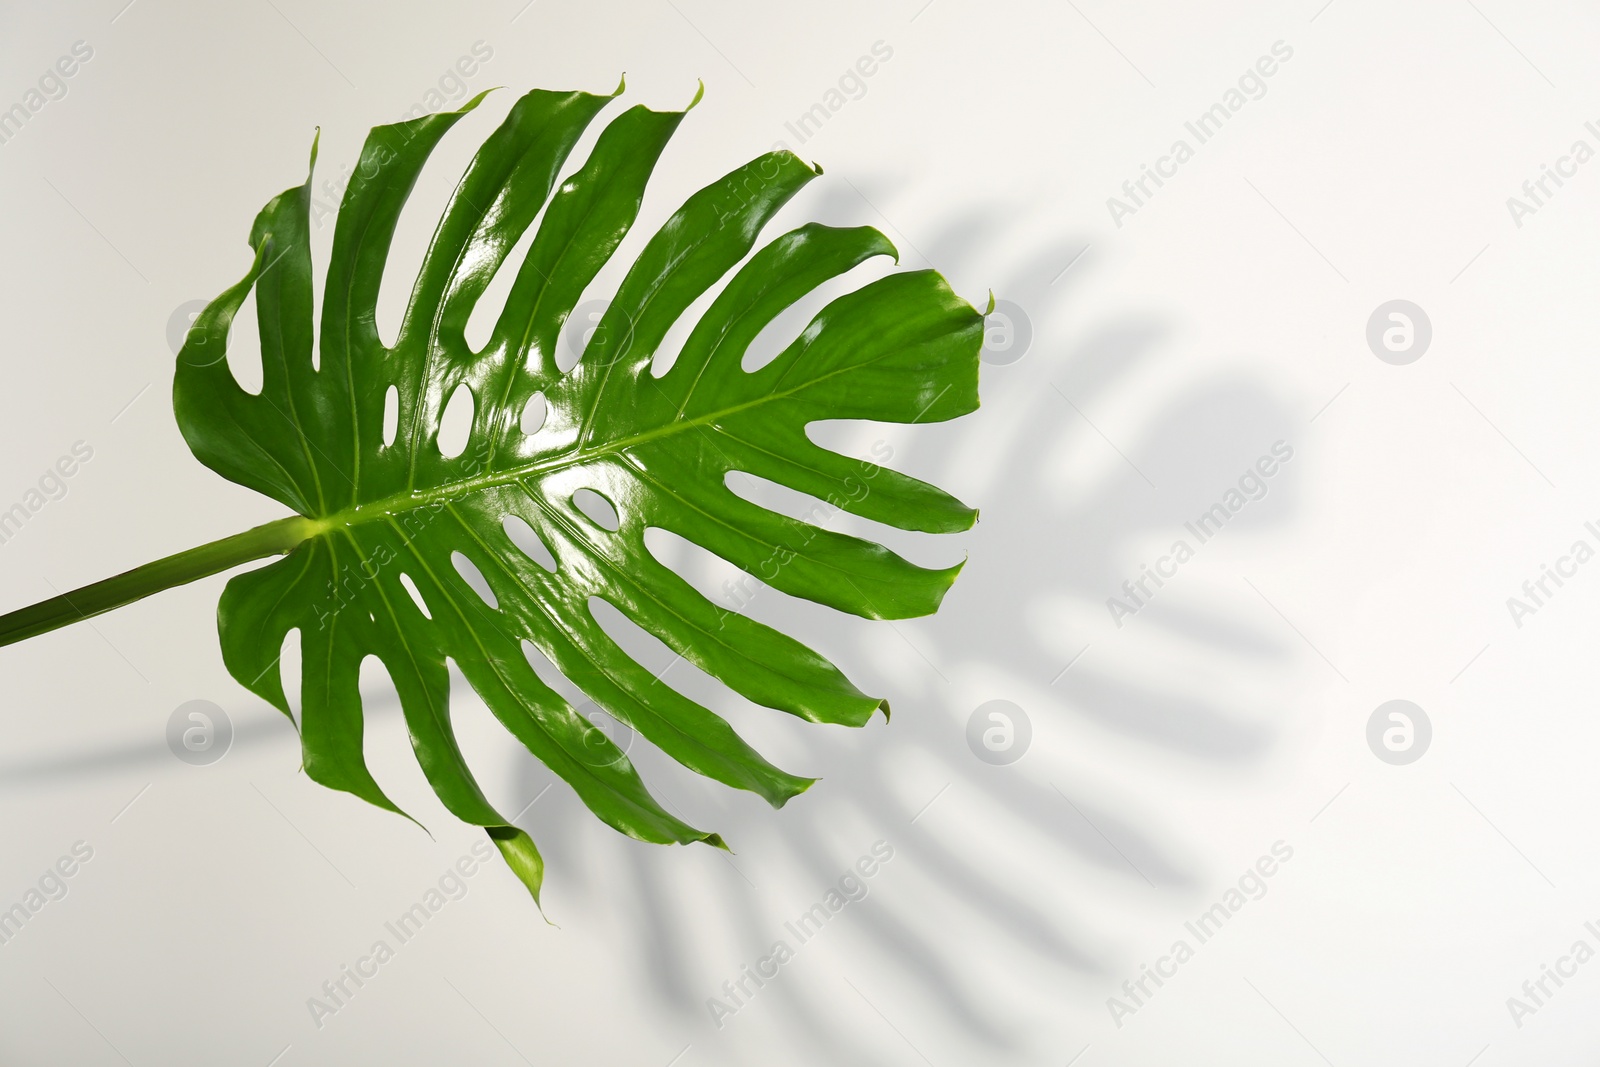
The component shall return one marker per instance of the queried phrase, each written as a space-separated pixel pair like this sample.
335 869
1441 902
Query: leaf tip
622 84
391 806
522 856
716 841
698 95
883 706
408 817
475 101
990 309
316 139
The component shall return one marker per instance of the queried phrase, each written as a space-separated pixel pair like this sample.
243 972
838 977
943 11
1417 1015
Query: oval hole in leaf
528 542
597 509
416 596
391 415
534 412
578 331
474 577
455 426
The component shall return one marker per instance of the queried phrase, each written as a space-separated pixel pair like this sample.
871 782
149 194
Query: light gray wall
1171 347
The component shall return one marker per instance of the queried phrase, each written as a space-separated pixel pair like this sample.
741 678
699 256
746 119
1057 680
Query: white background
1167 354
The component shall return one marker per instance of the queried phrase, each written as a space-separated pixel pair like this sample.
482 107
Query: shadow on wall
1012 867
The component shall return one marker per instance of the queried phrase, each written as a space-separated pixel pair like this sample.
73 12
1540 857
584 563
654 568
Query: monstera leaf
486 558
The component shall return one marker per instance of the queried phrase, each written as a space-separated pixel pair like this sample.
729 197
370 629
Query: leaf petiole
271 539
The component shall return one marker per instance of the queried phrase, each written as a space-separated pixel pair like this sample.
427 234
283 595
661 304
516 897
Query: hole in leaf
672 342
244 347
416 596
642 646
670 670
479 734
923 549
489 306
289 672
414 230
391 415
385 740
790 323
474 577
550 674
578 331
725 585
775 496
455 426
597 509
607 739
528 542
534 413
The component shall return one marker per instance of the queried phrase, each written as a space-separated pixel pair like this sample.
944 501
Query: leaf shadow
1046 548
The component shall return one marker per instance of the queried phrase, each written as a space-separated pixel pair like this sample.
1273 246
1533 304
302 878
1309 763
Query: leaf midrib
400 503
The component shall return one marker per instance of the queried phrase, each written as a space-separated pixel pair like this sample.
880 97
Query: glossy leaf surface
401 531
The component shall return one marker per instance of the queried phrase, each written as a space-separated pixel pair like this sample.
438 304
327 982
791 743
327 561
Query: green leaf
901 349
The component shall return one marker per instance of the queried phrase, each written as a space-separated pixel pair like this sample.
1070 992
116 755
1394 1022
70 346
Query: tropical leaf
486 558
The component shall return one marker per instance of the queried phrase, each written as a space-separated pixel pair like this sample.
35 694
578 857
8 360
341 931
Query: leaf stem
272 539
